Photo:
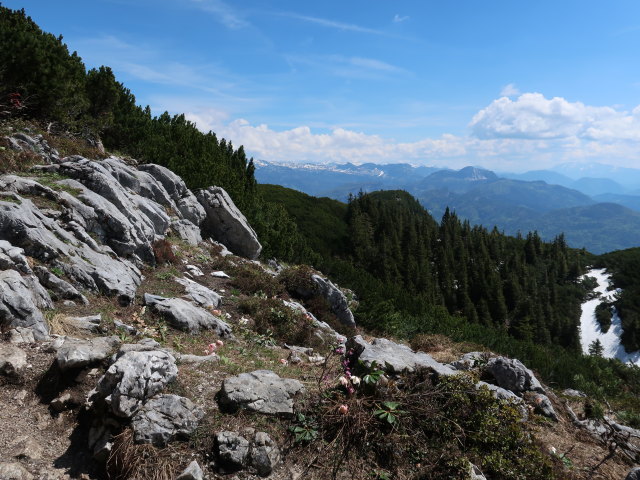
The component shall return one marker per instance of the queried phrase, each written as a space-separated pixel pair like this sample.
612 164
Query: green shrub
271 316
251 279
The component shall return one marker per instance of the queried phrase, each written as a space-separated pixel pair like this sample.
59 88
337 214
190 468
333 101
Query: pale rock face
226 224
513 375
186 316
165 418
77 353
134 377
261 391
21 299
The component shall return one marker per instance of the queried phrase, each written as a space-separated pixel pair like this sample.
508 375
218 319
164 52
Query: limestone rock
336 299
77 353
226 224
21 335
13 258
259 454
394 357
186 316
470 360
187 231
14 471
634 474
90 323
192 472
61 288
13 360
264 454
233 450
186 202
543 405
203 296
164 418
261 391
133 378
20 301
513 375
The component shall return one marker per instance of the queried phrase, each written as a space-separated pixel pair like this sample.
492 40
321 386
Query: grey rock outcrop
90 323
543 405
226 224
513 375
59 287
21 335
336 299
187 231
192 472
27 142
66 245
13 258
21 299
165 418
203 296
470 360
261 391
77 353
134 378
259 454
393 357
185 202
634 474
186 316
13 360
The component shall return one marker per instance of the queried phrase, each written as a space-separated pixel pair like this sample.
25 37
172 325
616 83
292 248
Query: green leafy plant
388 412
305 431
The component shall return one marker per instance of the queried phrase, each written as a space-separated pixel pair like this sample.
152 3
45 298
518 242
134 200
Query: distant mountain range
599 211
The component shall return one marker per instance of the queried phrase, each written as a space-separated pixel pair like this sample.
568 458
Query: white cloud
229 17
400 18
509 90
515 135
334 24
532 116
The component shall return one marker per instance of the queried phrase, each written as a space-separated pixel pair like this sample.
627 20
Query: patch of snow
590 328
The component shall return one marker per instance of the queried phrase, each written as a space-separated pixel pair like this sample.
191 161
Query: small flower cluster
348 380
212 347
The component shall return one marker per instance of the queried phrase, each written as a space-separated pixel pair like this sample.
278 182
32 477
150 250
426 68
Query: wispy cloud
227 15
350 67
400 18
509 90
334 24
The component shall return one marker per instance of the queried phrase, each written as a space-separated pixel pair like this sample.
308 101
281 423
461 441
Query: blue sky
508 85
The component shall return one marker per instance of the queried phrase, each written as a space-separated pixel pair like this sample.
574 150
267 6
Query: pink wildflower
283 361
220 343
343 409
211 348
217 312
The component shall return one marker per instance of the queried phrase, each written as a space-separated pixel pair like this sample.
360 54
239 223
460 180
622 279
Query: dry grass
129 460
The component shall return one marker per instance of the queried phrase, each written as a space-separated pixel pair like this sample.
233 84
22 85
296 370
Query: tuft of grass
252 279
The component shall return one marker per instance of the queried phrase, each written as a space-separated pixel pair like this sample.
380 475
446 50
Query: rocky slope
142 339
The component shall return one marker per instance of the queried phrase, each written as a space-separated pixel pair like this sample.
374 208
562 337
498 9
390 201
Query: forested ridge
412 274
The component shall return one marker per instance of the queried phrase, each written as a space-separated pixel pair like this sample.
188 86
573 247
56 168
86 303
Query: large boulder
186 316
78 353
60 288
21 299
512 375
261 391
393 357
203 296
134 377
13 258
165 418
336 299
226 224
